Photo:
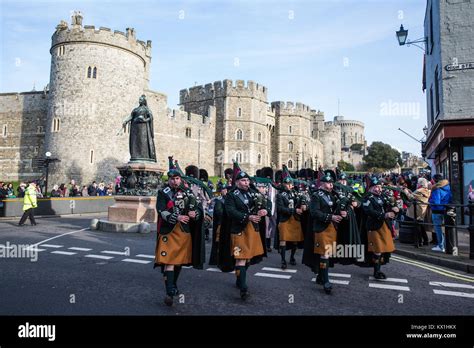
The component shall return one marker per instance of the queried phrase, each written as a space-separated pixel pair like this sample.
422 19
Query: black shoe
319 279
380 275
21 225
293 262
283 265
327 288
168 300
244 294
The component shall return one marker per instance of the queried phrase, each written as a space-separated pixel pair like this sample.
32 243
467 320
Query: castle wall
331 138
22 142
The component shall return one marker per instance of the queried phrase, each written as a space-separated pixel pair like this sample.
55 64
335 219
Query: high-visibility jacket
29 201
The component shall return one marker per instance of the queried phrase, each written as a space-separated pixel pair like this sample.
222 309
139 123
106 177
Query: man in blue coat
440 195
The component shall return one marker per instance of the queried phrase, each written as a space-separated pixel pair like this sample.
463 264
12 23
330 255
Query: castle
96 78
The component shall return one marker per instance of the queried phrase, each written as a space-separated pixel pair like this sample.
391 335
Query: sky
337 56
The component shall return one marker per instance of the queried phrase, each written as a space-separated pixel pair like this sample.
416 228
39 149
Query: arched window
89 72
289 129
290 164
188 132
259 159
259 136
290 146
239 134
238 157
94 73
239 112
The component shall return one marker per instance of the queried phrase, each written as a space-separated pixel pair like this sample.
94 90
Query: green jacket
29 201
322 208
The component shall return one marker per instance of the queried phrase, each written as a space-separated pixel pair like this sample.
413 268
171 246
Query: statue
141 143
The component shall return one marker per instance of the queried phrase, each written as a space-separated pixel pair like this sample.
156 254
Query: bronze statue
141 143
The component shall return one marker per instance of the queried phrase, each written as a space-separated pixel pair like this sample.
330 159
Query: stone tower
97 76
243 122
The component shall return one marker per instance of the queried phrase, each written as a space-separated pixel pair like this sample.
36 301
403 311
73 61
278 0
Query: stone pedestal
135 204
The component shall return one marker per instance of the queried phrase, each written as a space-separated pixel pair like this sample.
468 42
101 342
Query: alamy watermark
19 251
404 109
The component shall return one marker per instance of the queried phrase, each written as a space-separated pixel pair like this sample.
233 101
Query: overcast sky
308 51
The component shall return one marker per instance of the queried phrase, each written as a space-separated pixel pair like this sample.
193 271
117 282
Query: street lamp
425 130
402 36
47 161
297 161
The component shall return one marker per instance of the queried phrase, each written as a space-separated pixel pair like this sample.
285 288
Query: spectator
76 191
10 191
63 190
84 192
21 190
118 183
55 192
93 189
420 197
39 194
3 191
101 191
70 188
110 189
440 196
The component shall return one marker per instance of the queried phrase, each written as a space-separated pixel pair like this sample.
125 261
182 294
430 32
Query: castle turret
97 76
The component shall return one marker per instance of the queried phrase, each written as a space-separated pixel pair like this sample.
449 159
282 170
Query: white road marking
64 234
388 286
213 269
453 293
269 275
343 275
79 249
99 257
63 252
395 280
123 253
135 261
279 270
335 281
52 245
452 285
146 256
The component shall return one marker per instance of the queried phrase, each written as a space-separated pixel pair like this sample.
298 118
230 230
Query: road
84 272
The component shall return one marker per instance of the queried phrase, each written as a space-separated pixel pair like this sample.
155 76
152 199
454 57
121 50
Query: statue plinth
135 202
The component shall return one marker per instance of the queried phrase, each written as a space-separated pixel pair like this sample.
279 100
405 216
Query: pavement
84 272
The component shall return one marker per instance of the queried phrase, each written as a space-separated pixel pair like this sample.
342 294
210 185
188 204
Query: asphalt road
84 272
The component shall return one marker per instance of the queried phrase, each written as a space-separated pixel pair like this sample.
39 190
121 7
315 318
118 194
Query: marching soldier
289 221
322 234
242 237
379 237
217 218
180 233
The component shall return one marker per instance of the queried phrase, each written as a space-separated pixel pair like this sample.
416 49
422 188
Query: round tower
97 77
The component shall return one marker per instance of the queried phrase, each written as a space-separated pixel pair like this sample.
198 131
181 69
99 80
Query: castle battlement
183 117
291 108
225 88
76 33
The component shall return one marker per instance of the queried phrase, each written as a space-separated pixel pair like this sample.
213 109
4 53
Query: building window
239 134
290 164
39 129
92 156
436 81
290 146
89 72
259 159
203 119
289 129
94 73
4 133
238 157
189 116
333 152
239 112
188 132
431 106
56 123
36 150
259 137
61 50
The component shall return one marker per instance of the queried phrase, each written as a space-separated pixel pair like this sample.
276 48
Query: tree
345 167
382 155
356 147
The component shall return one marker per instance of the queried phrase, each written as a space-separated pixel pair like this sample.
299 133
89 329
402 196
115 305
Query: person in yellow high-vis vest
29 204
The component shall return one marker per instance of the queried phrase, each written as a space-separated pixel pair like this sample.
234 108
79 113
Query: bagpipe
185 201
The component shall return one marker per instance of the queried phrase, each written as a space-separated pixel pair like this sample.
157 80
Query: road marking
213 269
135 261
395 280
52 245
146 256
389 286
279 270
335 281
64 234
269 275
123 253
452 285
63 252
99 257
435 269
343 275
80 249
453 293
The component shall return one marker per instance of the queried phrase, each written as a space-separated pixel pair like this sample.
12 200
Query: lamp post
47 161
402 36
297 161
